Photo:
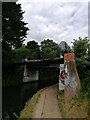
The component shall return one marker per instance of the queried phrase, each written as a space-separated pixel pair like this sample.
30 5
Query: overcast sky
55 19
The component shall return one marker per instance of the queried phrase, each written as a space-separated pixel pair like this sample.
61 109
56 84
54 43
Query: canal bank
14 97
49 103
44 104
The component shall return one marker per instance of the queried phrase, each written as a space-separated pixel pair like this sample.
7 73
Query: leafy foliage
49 49
14 31
80 48
7 54
34 50
21 53
88 52
67 49
13 28
12 76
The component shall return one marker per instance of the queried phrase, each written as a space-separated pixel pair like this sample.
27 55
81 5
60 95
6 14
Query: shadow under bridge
32 68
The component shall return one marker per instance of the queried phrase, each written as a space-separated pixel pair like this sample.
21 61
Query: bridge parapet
42 62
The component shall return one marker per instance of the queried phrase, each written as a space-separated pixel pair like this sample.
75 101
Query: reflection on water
14 98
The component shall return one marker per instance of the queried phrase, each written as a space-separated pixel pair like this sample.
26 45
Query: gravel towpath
47 106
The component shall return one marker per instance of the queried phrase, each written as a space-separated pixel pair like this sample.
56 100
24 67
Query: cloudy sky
55 19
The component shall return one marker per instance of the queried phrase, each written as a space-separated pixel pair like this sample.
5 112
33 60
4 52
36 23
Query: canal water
14 99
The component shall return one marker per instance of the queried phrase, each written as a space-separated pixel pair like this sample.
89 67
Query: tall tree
21 53
49 49
67 49
34 49
14 30
88 52
80 47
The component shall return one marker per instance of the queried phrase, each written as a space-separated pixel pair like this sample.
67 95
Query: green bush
12 76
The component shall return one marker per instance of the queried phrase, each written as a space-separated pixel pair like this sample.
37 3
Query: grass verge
30 105
76 108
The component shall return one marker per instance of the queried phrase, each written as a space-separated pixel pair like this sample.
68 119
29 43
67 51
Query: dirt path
47 106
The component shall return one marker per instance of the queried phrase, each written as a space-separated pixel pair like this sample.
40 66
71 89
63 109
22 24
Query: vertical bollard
72 81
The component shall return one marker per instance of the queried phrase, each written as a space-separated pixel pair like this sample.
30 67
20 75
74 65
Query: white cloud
55 19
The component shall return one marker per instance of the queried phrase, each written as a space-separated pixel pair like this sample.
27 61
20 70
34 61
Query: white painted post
61 85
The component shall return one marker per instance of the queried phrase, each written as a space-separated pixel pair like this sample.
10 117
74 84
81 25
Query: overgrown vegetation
12 76
76 108
14 30
79 107
27 112
81 49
